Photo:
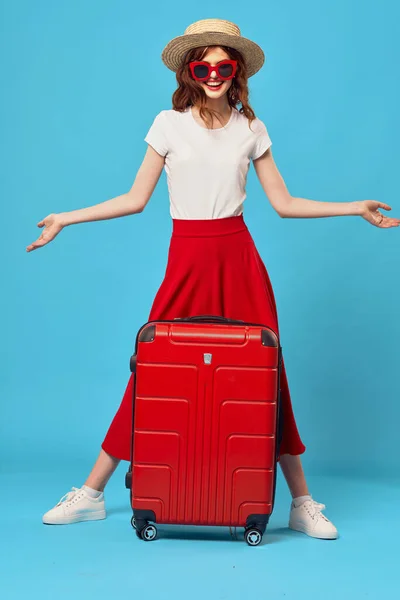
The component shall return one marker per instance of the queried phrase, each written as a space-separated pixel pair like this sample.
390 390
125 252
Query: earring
232 94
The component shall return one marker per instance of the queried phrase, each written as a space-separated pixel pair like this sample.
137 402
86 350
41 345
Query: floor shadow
281 534
273 535
120 510
284 533
220 534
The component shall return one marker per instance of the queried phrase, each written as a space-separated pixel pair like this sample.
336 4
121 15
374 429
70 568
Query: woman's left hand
369 210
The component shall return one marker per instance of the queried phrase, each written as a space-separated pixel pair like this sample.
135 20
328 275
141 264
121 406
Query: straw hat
213 32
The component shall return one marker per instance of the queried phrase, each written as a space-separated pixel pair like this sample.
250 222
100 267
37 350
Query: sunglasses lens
200 71
225 70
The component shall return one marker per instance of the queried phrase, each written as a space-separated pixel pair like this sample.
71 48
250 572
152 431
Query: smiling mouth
214 86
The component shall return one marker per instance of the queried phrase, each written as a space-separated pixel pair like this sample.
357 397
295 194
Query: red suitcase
206 425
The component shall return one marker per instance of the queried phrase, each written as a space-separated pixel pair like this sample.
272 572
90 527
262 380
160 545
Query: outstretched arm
288 206
131 203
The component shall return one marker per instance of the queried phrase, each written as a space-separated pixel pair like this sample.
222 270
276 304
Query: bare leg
292 470
104 467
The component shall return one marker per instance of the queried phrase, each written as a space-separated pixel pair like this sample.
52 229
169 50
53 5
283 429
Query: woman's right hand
52 226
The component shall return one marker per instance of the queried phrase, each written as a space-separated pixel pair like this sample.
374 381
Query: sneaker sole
92 516
302 529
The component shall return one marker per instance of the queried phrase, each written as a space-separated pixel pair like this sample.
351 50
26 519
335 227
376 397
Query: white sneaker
308 518
74 507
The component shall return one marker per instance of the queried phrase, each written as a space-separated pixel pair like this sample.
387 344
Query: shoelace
68 496
316 509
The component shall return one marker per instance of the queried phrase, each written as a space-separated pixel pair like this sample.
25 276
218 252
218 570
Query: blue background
81 83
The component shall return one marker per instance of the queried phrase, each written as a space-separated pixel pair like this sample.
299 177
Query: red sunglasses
201 70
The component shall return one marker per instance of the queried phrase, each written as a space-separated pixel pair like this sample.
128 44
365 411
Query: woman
205 144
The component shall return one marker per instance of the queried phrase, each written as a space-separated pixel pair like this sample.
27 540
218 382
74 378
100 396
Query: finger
389 223
382 222
38 244
384 206
40 224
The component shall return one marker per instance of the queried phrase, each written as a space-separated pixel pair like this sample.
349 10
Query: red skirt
213 268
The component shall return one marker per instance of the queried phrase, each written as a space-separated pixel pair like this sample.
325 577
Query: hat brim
174 52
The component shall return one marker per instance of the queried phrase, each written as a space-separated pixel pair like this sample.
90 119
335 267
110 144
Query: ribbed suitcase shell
205 426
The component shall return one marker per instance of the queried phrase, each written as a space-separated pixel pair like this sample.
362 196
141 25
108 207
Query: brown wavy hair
190 92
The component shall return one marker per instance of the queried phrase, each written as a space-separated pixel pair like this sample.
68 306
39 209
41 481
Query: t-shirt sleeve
262 140
156 135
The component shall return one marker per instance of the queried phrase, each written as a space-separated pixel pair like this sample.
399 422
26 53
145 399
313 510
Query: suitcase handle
208 319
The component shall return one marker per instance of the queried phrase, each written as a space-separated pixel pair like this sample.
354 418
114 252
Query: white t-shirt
206 168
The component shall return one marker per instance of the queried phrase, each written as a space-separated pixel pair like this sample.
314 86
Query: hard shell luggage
206 425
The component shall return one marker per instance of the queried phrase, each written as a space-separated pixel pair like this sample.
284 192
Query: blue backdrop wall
82 81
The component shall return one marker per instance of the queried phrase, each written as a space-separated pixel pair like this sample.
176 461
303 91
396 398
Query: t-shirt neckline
216 129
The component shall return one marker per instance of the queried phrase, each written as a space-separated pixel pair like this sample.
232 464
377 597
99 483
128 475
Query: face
214 87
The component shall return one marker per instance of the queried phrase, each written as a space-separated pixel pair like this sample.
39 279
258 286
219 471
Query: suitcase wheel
253 536
133 522
148 533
